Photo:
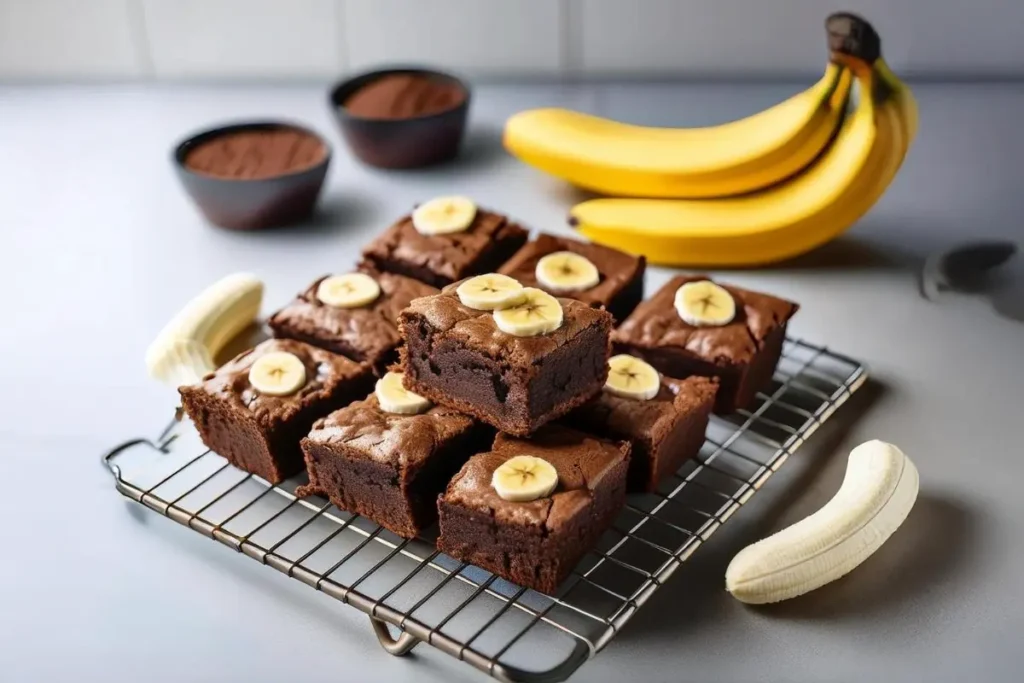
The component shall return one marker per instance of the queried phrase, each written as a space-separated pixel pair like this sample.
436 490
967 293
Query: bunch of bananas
749 192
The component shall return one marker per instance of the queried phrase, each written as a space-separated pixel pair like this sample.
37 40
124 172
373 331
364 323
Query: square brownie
440 260
664 431
456 356
537 543
742 354
621 286
387 467
367 333
260 433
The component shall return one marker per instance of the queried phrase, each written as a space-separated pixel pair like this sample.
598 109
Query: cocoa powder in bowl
256 154
404 96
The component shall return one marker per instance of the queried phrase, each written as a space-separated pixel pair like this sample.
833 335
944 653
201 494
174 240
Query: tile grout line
140 38
568 37
342 58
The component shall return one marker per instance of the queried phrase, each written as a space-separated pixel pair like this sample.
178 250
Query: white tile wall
497 36
62 39
699 36
736 37
69 39
243 38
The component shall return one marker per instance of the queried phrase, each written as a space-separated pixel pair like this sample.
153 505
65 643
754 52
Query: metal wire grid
509 632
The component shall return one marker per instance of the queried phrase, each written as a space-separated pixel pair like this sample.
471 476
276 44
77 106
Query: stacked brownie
498 408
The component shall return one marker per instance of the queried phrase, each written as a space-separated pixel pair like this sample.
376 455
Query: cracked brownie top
450 318
365 333
582 463
399 440
656 324
446 257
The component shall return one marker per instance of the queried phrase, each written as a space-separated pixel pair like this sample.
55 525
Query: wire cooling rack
509 632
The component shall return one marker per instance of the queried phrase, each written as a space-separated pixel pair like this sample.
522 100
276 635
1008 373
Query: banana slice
524 478
348 291
395 398
277 373
443 215
489 292
565 271
537 313
705 304
630 377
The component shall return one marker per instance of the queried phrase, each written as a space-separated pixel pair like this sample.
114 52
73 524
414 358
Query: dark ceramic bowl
252 204
406 142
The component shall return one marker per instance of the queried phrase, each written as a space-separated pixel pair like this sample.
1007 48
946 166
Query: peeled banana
184 350
877 494
774 224
733 158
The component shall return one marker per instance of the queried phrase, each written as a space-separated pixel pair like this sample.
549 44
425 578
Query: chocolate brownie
621 286
665 431
368 333
389 468
537 543
260 433
440 260
741 354
456 356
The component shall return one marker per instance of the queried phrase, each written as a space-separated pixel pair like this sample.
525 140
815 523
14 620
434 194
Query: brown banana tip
573 221
851 35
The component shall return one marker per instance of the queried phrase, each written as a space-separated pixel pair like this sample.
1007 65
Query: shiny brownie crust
456 356
440 260
367 334
260 434
386 467
622 275
664 431
742 354
535 544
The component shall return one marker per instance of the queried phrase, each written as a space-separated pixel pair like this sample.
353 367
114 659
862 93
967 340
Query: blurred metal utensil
963 268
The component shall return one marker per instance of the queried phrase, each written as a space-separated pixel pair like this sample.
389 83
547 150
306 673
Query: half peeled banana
277 373
444 215
631 377
537 313
705 304
564 271
351 290
524 478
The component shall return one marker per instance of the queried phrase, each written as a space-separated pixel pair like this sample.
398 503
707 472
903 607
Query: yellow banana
907 103
780 222
732 158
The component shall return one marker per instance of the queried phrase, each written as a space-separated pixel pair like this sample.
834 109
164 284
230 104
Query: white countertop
100 246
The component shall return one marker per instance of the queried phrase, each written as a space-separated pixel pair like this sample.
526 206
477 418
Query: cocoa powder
404 96
255 154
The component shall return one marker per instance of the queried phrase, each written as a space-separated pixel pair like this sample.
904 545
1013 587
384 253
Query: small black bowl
403 142
253 204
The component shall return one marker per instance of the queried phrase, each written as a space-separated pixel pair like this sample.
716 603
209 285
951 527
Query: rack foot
400 646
